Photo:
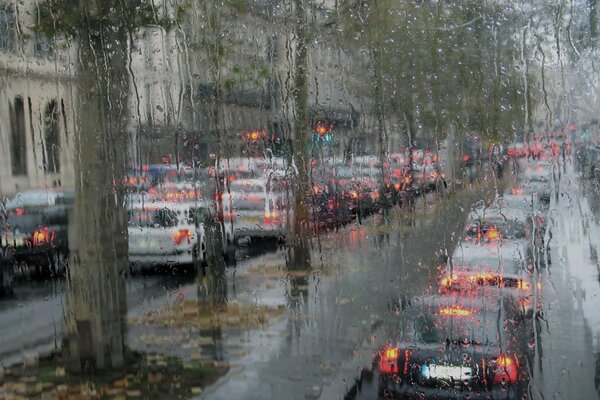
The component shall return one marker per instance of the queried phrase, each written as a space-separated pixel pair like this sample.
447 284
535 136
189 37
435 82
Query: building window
7 29
51 139
18 140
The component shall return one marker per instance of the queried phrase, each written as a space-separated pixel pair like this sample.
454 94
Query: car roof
248 182
509 255
34 198
159 205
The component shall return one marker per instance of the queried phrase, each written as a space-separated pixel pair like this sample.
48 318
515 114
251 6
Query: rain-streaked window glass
304 199
7 28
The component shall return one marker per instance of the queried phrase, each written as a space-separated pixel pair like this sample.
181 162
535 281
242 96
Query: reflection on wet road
563 361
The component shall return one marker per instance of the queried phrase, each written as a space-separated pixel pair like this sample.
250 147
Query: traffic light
323 133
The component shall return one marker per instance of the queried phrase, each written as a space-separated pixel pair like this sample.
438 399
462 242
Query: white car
256 208
166 234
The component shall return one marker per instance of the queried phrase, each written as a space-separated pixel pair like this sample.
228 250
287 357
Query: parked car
256 209
166 234
35 230
427 177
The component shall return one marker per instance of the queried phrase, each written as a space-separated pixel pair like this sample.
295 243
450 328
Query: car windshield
244 187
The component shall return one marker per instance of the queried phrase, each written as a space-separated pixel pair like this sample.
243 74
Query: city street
300 199
565 363
322 342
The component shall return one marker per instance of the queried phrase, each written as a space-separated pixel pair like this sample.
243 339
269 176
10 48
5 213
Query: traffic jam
472 335
167 207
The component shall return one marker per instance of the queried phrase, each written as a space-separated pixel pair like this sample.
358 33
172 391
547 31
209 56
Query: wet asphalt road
333 316
565 361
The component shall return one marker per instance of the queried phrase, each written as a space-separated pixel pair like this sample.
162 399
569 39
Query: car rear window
147 218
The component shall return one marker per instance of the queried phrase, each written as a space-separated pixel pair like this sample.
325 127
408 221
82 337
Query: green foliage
239 6
150 15
58 18
440 64
65 17
229 83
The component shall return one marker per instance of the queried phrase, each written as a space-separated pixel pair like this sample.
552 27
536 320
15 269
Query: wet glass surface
305 199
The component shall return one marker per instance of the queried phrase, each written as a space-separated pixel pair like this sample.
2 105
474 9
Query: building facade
37 97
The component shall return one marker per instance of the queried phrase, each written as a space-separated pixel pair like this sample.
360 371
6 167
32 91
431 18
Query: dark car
454 346
7 263
34 229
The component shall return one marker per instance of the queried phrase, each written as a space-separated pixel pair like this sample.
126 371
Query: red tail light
42 236
492 234
505 369
465 158
271 217
182 234
388 361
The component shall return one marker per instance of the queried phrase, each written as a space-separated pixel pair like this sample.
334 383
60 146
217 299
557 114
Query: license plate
446 372
252 220
145 243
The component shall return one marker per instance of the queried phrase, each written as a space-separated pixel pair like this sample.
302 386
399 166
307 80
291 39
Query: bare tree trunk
212 289
96 303
299 250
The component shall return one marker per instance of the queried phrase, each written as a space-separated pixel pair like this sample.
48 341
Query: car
453 346
498 221
257 208
394 167
35 228
7 262
178 191
426 177
486 246
517 150
518 287
538 179
527 208
165 234
358 187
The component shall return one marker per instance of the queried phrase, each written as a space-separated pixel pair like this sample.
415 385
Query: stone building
37 97
172 89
